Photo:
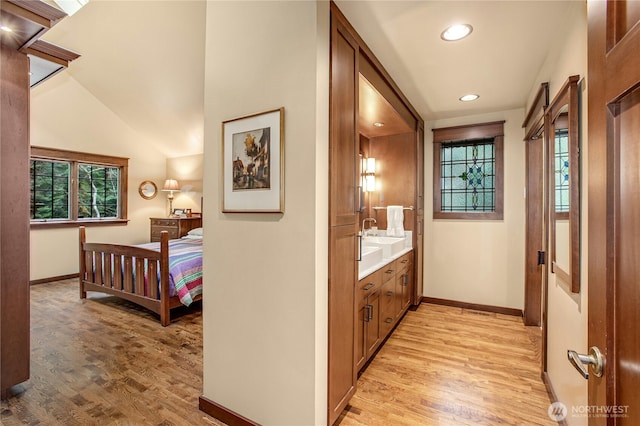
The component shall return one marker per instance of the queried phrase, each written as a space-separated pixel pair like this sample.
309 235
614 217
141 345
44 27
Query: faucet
370 219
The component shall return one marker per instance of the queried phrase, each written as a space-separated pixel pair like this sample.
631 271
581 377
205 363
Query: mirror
148 190
561 121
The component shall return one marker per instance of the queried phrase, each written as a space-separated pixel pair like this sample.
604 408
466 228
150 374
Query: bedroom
296 233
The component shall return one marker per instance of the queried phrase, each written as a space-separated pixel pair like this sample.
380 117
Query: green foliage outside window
49 189
97 191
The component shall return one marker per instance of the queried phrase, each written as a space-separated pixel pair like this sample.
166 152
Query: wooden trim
46 224
535 116
223 414
51 52
85 157
52 279
476 307
552 394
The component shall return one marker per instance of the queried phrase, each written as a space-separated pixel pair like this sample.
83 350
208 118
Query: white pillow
195 231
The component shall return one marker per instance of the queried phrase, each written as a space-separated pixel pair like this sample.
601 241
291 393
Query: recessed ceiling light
378 124
468 98
456 32
5 28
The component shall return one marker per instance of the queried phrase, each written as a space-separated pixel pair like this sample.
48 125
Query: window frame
75 158
469 133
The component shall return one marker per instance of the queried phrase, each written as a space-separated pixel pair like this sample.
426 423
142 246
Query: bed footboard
128 272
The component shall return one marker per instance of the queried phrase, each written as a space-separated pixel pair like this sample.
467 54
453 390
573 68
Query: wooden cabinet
388 293
343 218
176 226
368 319
342 273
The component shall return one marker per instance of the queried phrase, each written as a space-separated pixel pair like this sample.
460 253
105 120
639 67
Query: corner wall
265 275
473 261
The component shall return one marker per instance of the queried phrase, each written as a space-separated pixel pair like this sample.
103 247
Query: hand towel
395 221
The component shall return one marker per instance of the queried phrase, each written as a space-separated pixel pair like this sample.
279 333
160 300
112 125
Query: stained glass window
468 165
561 168
468 176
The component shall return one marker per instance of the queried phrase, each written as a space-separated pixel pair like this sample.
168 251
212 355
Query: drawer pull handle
389 320
405 280
389 271
368 286
389 293
404 261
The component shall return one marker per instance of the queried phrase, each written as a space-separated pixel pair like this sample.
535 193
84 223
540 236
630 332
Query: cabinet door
343 138
406 287
373 323
342 272
361 334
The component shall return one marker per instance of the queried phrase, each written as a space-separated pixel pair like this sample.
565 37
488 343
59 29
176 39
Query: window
67 188
467 171
561 171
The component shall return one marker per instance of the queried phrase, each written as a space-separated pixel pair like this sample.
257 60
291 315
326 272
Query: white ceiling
145 59
499 60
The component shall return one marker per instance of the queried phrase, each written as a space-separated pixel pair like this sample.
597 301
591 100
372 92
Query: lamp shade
171 185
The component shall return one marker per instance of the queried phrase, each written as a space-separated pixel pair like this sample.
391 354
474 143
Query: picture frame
177 212
253 163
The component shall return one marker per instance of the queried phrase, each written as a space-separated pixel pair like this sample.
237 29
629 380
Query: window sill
469 215
77 223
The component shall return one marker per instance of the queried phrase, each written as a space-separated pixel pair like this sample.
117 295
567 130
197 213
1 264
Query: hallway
453 366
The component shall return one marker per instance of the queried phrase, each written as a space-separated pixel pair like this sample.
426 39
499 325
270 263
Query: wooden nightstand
176 226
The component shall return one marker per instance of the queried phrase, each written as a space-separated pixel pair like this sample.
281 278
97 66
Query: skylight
71 6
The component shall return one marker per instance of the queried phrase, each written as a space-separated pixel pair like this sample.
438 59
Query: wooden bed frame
98 260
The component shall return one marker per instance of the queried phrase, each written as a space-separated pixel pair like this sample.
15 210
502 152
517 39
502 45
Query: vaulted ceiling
144 60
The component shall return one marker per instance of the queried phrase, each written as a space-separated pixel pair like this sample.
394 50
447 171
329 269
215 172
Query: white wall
265 275
566 311
64 115
187 170
477 261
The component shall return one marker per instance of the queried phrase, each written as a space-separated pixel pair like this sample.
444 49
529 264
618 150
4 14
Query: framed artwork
253 163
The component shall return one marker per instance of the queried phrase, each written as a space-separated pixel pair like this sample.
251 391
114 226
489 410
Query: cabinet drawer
164 222
388 272
387 295
404 261
368 285
156 230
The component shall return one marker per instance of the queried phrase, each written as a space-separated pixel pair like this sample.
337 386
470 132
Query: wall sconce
369 174
170 185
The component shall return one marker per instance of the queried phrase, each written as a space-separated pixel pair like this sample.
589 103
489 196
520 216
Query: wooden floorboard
452 366
105 361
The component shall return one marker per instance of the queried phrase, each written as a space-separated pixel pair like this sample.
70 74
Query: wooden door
342 337
614 206
344 140
373 322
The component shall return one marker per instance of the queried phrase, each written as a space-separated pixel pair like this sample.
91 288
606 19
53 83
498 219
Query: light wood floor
453 366
108 362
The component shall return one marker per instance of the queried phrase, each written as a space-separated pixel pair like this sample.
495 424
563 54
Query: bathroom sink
389 245
371 256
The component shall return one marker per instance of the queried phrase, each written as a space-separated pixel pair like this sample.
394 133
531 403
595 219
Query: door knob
594 359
